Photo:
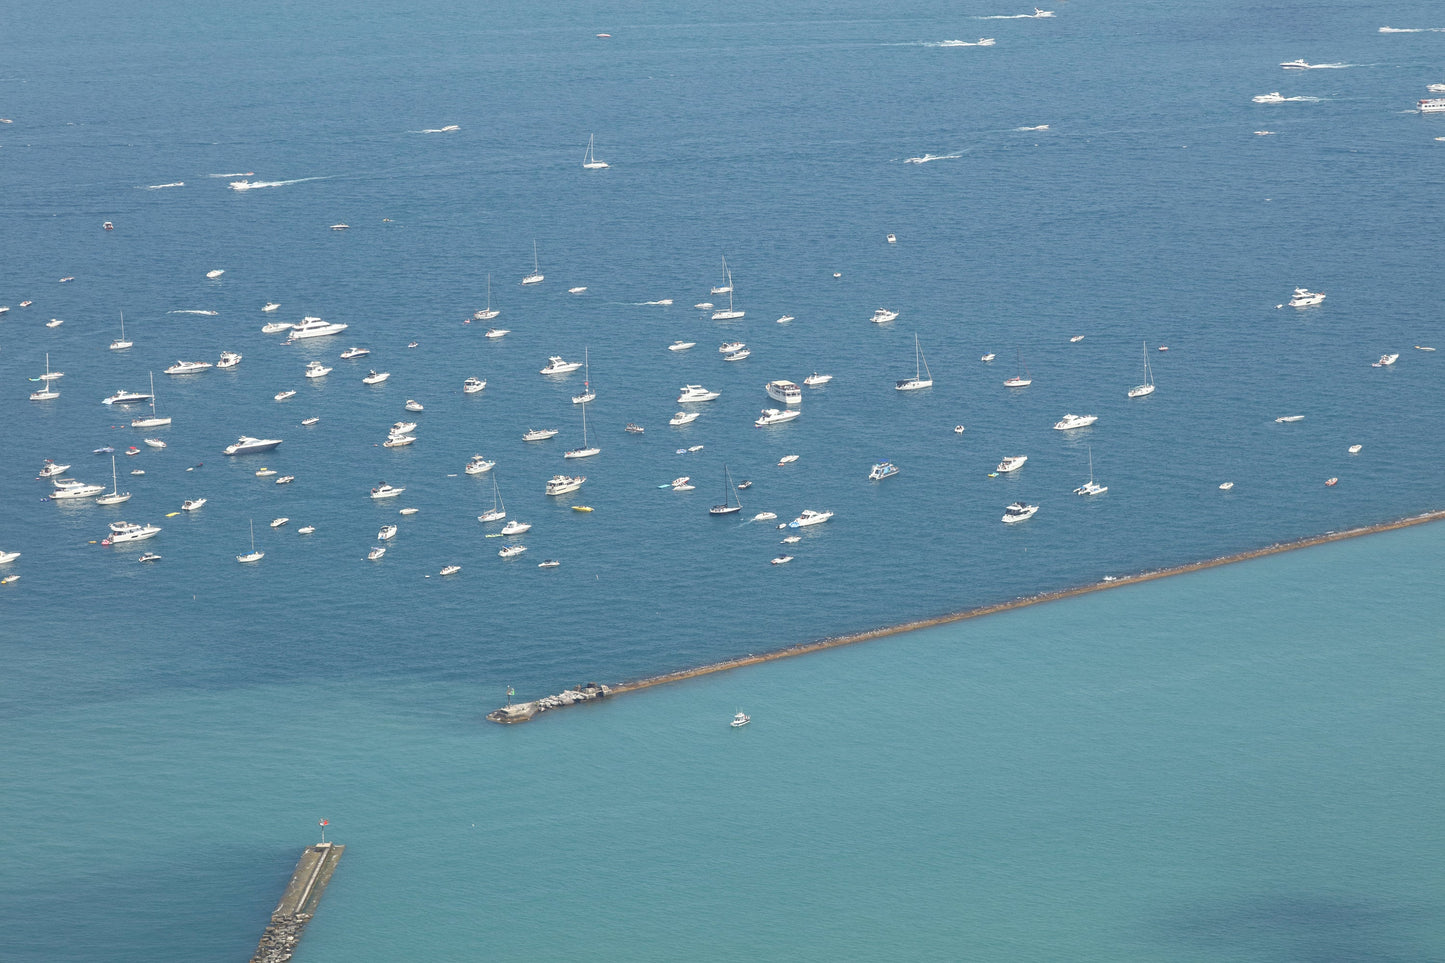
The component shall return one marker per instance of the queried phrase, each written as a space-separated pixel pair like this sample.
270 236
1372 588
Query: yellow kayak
582 508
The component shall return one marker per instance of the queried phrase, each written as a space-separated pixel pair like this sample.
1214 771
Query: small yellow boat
582 508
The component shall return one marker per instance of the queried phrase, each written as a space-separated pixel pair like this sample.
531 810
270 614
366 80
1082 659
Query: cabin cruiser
188 367
784 391
191 504
810 517
412 405
512 551
883 315
776 416
632 429
815 379
129 532
350 353
51 469
386 491
398 441
540 434
276 327
495 333
271 306
730 347
246 445
316 328
765 516
1386 360
472 385
154 443
882 470
787 460
278 522
1069 422
375 377
515 527
1304 298
548 563
682 418
737 355
478 465
694 393
124 397
77 490
402 427
1012 463
1017 512
315 369
681 345
387 533
1288 419
556 366
229 359
562 484
1296 65
149 557
288 393
451 569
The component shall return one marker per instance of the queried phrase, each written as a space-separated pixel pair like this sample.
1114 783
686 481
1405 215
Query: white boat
402 428
271 306
704 305
810 517
191 504
787 460
398 441
1288 419
116 496
681 345
815 379
376 553
52 469
511 551
548 563
266 473
740 720
785 319
691 394
1386 360
412 405
1147 388
920 369
76 490
188 367
154 442
883 315
1226 486
782 559
562 484
215 274
731 503
586 451
498 510
1017 512
683 483
1274 97
487 313
315 369
246 445
632 429
730 347
283 395
536 277
495 333
1296 65
577 290
958 429
1091 487
588 395
351 353
479 465
589 159
540 434
229 359
122 532
47 390
54 323
731 314
408 511
556 366
775 416
683 417
1432 105
1070 422
387 533
308 422
276 327
121 397
988 357
450 569
278 522
1355 449
285 479
515 527
737 355
375 377
253 555
1022 379
1011 463
386 491
472 385
1305 298
120 344
316 328
882 470
784 391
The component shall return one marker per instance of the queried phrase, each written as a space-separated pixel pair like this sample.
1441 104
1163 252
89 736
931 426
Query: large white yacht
386 491
478 465
246 445
129 532
316 328
682 418
785 391
555 365
1017 512
1305 298
1069 422
776 416
562 484
692 393
188 367
1432 105
1012 463
124 397
77 491
810 517
315 369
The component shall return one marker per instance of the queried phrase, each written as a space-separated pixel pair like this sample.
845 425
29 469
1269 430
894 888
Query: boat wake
1040 127
236 174
209 314
253 185
1036 15
926 158
664 301
1271 99
1412 30
1330 66
439 130
981 42
157 187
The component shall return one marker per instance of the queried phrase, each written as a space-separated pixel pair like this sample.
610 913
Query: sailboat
1020 380
47 390
589 159
730 495
1147 388
154 421
584 451
121 343
253 555
116 496
499 510
920 369
1091 487
490 312
536 276
730 314
587 393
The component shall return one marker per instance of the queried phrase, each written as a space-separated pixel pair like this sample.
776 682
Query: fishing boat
478 465
589 158
731 503
536 277
920 369
740 720
253 555
1018 512
1147 388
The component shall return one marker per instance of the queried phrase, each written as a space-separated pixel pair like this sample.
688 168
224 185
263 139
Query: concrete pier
522 711
298 903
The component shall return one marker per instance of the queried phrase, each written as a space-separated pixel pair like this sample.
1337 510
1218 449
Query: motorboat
1355 449
683 483
562 484
792 540
79 490
63 483
1288 419
472 385
387 533
1305 298
351 353
691 394
922 377
1011 463
103 451
308 422
882 470
122 532
1386 360
276 327
786 319
316 328
285 479
892 239
556 366
376 553
589 159
883 315
1274 97
632 429
1331 482
683 417
52 469
1017 512
958 429
315 369
386 491
810 517
536 277
731 503
413 405
1076 339
784 391
787 460
478 465
398 441
511 551
124 397
450 569
737 355
515 527
341 227
51 375
744 485
246 445
271 306
730 313
1147 388
149 557
188 367
988 357
408 511
775 416
375 377
765 516
582 508
229 359
540 434
782 559
814 380
402 427
577 290
681 345
54 323
266 473
278 522
215 274
1296 65
1091 487
1070 422
495 333
548 563
731 347
740 720
191 504
1226 486
283 395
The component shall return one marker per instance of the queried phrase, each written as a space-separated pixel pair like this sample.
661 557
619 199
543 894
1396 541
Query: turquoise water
1233 765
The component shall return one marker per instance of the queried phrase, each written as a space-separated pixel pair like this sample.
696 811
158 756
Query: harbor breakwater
298 903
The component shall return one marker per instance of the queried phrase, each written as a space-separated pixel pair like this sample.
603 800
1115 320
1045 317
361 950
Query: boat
191 504
691 394
1421 347
810 517
556 366
495 333
814 380
228 359
54 323
341 227
548 563
958 429
562 484
577 290
1432 105
283 395
120 344
882 470
478 465
398 441
582 508
450 569
1018 512
412 405
1304 298
731 503
731 314
1296 65
271 306
487 313
498 510
540 434
402 427
883 315
472 385
387 533
511 551
792 540
737 355
316 328
246 445
683 483
1022 379
988 357
215 274
786 319
1147 388
375 377
265 473
253 555
1076 339
765 516
351 353
285 479
740 720
188 367
744 485
920 369
1226 486
782 559
386 491
276 327
632 429
122 397
784 391
408 511
587 395
1273 97
586 451
315 369
47 390
116 496
536 277
1011 463
516 527
681 345
51 469
1288 419
682 418
589 159
1355 449
775 416
1386 360
278 522
1091 487
787 460
376 553
149 557
730 347
1331 482
122 532
75 491
1070 422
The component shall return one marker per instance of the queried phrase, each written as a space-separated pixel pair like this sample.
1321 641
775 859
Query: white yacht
1070 422
1020 380
376 553
536 277
586 451
472 385
1355 449
1226 486
781 559
489 312
787 460
815 379
737 355
1091 487
556 366
76 491
316 328
115 496
682 418
1385 361
124 397
515 527
1017 512
154 443
683 483
883 315
398 441
52 469
695 393
386 491
8 557
191 504
413 405
375 377
1288 419
450 569
495 333
776 416
588 395
188 367
122 532
271 306
681 345
1432 105
351 353
511 551
730 347
276 327
882 470
589 159
784 391
278 522
765 516
47 390
540 434
315 369
810 517
215 274
478 465
731 313
988 357
498 510
1296 65
562 484
387 533
740 720
402 428
229 359
1011 463
246 445
786 319
308 422
1305 298
1147 388
920 370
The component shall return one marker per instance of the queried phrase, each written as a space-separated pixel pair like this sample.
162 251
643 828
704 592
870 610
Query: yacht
1011 463
229 359
737 355
1305 298
1020 380
784 391
276 327
1386 360
1296 65
215 274
398 441
316 328
1017 512
765 516
376 553
283 395
315 369
730 347
810 517
120 344
556 366
52 469
787 460
536 277
79 490
191 504
681 345
387 533
408 511
1355 449
731 503
154 443
122 532
682 418
589 159
413 405
478 465
278 522
588 395
548 563
512 551
375 377
988 357
1147 388
1091 487
730 314
54 323
1069 422
695 393
498 510
792 539
495 333
920 369
683 483
472 385
883 315
246 445
882 470
386 491
402 428
116 496
1274 97
586 451
782 559
451 569
740 720
632 429
815 379
489 312
776 416
577 290
350 353
562 484
124 397
1432 105
271 306
515 527
540 434
188 367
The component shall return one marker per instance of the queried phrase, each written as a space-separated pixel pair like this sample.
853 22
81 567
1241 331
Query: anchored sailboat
731 501
589 159
920 369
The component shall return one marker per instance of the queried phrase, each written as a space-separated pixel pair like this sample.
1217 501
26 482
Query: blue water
1227 767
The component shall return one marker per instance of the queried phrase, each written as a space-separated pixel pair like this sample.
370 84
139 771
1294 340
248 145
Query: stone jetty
298 903
522 711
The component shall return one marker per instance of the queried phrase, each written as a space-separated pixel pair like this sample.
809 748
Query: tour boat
246 445
1070 422
316 328
478 465
882 470
810 517
920 369
556 366
589 159
1147 388
695 393
784 391
1011 463
1017 512
1432 105
536 277
776 416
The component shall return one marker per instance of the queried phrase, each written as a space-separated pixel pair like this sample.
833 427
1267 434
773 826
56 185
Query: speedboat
341 227
1076 339
776 416
815 379
1011 463
782 559
316 328
52 469
154 442
386 491
540 434
792 540
387 533
883 315
1304 298
556 366
495 333
308 422
1386 360
1274 97
412 405
562 484
215 274
740 720
512 551
285 479
451 569
278 522
188 367
350 353
1296 65
271 306
288 393
315 369
191 504
681 345
784 391
375 377
695 393
376 553
810 517
121 532
730 347
275 327
1355 449
737 355
54 323
1069 422
882 470
402 427
632 429
478 465
149 557
1017 512
988 357
1331 482
765 516
229 359
1288 419
515 527
787 460
124 397
744 485
683 483
786 318
682 418
246 445
266 473
548 563
408 511
472 385
1226 486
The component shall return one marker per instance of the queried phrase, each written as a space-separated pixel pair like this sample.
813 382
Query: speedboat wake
253 185
209 314
1412 30
980 42
157 187
926 158
1036 15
